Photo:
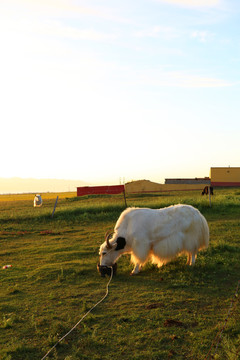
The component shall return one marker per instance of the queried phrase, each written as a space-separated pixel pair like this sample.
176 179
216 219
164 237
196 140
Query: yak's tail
205 233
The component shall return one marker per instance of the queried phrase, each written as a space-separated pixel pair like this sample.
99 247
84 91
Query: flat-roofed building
204 181
225 176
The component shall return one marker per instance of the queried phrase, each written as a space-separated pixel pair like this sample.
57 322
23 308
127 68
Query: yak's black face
109 256
106 270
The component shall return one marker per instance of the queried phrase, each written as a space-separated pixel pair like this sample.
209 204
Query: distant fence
123 189
100 190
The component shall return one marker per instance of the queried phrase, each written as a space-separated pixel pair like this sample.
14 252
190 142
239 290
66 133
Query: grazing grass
174 312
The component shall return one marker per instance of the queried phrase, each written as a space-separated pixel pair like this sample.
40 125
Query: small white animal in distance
37 201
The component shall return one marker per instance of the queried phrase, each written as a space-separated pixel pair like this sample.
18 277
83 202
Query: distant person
37 201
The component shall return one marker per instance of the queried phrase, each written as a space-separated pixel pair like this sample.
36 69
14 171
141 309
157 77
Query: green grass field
175 312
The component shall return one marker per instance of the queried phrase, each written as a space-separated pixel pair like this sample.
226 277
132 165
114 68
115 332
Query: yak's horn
108 236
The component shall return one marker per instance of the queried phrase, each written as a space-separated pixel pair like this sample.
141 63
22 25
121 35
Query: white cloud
30 26
194 3
168 33
181 79
202 36
58 29
64 9
196 81
50 7
165 32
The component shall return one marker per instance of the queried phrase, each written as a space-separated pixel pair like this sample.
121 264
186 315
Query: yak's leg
191 259
136 269
140 253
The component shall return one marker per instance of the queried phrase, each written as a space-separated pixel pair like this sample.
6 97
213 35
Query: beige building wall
183 187
146 186
225 176
141 186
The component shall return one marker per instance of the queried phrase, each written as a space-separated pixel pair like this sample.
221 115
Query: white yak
157 235
37 200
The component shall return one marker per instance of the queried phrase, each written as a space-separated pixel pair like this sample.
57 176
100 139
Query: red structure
99 190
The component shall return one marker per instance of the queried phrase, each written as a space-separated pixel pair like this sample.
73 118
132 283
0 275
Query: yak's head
109 253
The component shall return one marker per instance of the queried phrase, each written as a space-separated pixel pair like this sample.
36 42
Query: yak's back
173 214
164 223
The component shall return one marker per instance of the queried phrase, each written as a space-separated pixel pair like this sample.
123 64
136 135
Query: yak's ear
121 242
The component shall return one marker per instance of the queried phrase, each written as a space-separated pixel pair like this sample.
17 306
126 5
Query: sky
109 91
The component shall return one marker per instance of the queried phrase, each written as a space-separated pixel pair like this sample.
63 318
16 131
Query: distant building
146 186
225 176
143 186
194 181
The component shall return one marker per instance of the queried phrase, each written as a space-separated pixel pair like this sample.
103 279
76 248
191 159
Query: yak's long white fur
158 235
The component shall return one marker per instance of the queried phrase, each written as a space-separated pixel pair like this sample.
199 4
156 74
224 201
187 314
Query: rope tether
104 297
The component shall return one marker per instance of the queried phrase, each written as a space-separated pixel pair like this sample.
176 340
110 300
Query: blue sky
100 90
